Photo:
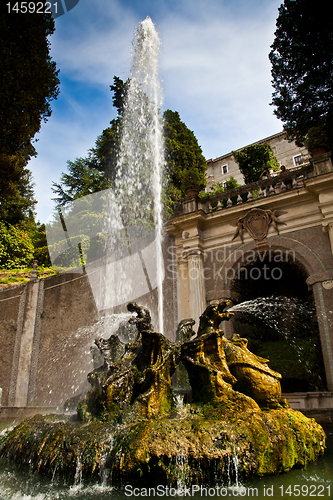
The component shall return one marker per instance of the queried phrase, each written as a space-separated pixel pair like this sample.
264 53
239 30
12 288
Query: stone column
23 373
24 368
197 288
328 228
323 294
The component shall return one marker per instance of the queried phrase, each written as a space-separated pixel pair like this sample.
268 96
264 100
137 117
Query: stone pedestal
322 163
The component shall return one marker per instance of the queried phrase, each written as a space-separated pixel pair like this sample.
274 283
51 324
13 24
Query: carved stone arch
316 276
291 248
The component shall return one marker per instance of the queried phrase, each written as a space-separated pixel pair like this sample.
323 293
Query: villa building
287 153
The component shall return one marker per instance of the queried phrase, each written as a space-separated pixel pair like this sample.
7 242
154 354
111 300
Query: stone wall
48 328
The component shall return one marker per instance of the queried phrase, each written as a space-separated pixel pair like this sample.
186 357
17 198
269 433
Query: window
297 160
224 169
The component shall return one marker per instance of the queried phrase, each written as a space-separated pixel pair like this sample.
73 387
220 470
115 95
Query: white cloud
214 65
217 75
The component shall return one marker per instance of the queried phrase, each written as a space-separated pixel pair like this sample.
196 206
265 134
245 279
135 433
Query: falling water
277 312
117 233
135 200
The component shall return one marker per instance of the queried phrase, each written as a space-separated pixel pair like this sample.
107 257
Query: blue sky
214 69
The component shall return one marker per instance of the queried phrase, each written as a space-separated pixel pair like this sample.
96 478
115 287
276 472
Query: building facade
219 257
287 153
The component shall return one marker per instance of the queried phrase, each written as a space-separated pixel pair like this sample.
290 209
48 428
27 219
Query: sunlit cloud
214 66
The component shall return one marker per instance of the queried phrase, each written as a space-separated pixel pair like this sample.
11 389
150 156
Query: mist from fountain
115 235
277 312
135 206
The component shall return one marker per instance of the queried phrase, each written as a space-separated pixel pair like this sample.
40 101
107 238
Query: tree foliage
28 80
185 163
83 177
302 68
96 171
253 160
220 187
16 247
17 206
28 83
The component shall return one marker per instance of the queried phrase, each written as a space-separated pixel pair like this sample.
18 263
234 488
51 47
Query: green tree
16 248
96 171
83 178
185 163
18 205
28 79
302 68
88 175
253 160
221 187
28 83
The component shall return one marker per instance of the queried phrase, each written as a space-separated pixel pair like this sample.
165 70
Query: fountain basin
132 428
198 443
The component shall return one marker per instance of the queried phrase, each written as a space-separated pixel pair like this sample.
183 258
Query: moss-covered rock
130 429
202 444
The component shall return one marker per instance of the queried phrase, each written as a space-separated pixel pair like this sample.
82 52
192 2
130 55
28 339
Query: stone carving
222 370
253 376
141 376
256 222
139 373
133 430
210 320
111 349
143 318
184 330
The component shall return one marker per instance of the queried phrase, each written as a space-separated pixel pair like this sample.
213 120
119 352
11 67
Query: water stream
316 481
285 331
116 234
135 207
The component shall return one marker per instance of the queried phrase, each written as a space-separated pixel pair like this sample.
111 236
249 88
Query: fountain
132 427
135 200
114 236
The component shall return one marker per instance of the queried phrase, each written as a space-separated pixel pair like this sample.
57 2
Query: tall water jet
140 162
115 235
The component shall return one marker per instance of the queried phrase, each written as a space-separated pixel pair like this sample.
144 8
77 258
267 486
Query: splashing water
181 470
291 320
135 206
276 312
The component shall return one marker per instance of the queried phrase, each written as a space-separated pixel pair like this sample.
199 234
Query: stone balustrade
277 184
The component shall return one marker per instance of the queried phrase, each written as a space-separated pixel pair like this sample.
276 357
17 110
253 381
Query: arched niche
282 318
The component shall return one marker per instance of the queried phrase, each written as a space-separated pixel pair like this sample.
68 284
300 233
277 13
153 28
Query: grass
11 277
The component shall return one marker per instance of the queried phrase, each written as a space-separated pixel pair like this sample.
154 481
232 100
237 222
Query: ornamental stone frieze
256 223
